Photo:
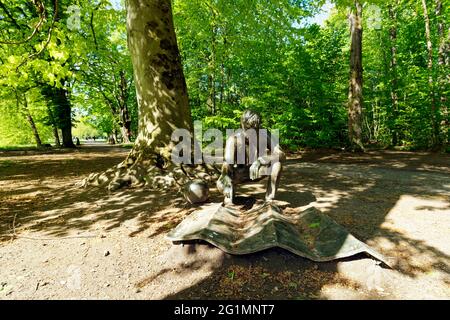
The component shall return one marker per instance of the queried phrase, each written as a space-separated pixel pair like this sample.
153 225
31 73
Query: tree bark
160 84
443 75
30 120
436 141
125 119
393 72
54 126
56 136
355 98
65 117
162 100
212 100
61 111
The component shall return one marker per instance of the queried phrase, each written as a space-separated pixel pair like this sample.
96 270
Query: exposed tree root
153 172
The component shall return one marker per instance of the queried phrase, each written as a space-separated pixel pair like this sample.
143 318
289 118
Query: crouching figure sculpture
250 154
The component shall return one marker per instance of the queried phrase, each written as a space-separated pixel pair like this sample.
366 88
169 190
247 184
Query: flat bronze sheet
310 234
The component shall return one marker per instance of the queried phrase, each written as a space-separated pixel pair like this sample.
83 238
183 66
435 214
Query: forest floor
60 242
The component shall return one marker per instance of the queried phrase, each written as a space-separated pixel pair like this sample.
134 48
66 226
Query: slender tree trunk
32 124
125 118
54 126
212 100
116 135
160 84
126 128
37 138
222 82
436 140
355 98
56 136
393 72
443 74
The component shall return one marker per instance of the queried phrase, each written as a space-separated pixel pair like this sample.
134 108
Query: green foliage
78 52
84 129
256 54
262 55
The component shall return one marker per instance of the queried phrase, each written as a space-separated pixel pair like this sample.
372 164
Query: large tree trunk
436 141
393 71
64 117
160 83
54 126
162 99
355 97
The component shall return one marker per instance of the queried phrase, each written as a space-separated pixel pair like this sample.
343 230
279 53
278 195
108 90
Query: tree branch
92 25
41 12
50 32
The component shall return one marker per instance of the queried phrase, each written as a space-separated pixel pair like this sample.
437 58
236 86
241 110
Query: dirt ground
60 242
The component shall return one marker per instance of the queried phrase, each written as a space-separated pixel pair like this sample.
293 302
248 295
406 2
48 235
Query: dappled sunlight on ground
399 203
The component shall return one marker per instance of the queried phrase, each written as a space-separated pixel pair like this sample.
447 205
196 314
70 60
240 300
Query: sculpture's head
250 120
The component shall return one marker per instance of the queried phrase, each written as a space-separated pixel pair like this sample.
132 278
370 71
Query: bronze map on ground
309 234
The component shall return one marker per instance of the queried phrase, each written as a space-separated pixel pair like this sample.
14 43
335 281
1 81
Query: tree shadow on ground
361 201
358 196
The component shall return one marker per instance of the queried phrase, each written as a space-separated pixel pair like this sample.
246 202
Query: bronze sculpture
252 167
308 233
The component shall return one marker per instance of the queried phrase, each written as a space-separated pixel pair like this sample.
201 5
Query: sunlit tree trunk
56 136
125 119
31 122
434 111
212 100
443 74
160 83
355 98
64 117
393 71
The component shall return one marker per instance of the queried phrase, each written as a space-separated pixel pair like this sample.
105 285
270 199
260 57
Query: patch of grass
314 225
18 147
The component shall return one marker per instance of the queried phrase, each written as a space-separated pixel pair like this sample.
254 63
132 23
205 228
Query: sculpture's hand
254 170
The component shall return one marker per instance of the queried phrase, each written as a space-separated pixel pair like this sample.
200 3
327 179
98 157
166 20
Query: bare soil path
60 242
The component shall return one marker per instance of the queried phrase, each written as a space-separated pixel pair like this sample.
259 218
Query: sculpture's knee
276 169
272 184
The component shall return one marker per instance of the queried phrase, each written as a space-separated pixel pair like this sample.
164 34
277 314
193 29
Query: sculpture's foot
270 200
